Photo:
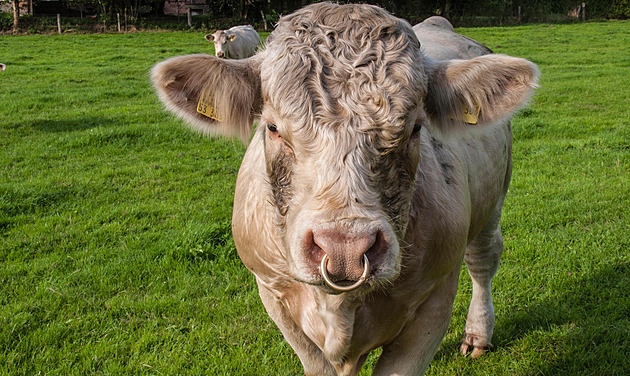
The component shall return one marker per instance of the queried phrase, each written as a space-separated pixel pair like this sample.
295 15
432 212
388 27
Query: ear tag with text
471 116
205 108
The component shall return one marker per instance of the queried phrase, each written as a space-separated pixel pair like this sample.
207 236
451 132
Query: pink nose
219 54
345 251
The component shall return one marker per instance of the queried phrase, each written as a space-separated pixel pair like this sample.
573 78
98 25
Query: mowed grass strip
116 255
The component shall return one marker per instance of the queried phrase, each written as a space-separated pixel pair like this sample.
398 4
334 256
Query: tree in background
107 9
620 9
264 13
458 11
16 15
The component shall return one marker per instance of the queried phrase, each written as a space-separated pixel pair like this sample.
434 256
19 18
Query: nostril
314 253
376 250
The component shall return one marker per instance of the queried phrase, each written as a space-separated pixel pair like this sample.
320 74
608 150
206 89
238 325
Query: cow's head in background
341 93
220 38
238 42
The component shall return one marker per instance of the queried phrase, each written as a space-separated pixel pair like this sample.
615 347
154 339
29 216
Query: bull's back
482 155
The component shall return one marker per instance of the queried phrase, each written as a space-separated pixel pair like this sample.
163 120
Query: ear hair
231 37
232 88
209 37
497 84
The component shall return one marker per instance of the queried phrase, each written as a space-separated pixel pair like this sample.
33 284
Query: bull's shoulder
253 218
440 41
464 169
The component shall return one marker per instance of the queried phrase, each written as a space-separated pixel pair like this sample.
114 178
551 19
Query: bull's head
342 93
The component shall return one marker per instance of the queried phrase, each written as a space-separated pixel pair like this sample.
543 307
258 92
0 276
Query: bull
377 168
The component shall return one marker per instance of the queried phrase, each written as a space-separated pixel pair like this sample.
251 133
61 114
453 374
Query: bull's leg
411 352
482 258
310 355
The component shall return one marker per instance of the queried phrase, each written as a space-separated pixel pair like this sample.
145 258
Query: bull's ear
209 37
478 91
231 37
215 96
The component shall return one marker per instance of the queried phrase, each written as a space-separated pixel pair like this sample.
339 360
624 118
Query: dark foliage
148 14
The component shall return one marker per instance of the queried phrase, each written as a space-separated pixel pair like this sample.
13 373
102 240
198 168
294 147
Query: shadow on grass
589 322
584 328
71 125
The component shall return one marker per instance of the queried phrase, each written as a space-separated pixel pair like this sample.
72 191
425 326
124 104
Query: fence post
262 14
583 11
189 18
118 21
519 14
58 23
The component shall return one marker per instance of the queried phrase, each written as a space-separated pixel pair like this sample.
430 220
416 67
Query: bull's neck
328 320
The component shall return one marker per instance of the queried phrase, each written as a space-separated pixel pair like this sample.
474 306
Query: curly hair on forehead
348 66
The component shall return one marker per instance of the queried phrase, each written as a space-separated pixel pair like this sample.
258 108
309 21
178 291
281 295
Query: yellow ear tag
471 116
205 108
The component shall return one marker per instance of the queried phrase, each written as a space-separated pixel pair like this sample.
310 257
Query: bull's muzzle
334 286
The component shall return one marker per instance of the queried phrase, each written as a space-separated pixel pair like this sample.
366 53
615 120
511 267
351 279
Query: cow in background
238 42
439 41
375 171
2 67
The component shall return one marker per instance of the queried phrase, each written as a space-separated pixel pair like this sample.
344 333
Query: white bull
238 42
374 172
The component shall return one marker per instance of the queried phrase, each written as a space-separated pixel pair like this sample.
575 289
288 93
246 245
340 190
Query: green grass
115 249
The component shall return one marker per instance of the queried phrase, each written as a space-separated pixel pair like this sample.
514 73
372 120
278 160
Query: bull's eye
272 128
416 128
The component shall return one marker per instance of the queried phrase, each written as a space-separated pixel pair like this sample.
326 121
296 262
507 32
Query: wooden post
189 18
262 14
59 23
16 15
520 18
583 11
118 21
125 19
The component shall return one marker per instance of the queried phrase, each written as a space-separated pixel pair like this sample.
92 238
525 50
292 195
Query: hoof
476 351
471 344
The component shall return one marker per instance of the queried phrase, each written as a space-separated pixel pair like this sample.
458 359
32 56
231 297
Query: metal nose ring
333 285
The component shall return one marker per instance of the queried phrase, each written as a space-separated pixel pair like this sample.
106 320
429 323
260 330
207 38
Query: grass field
116 256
